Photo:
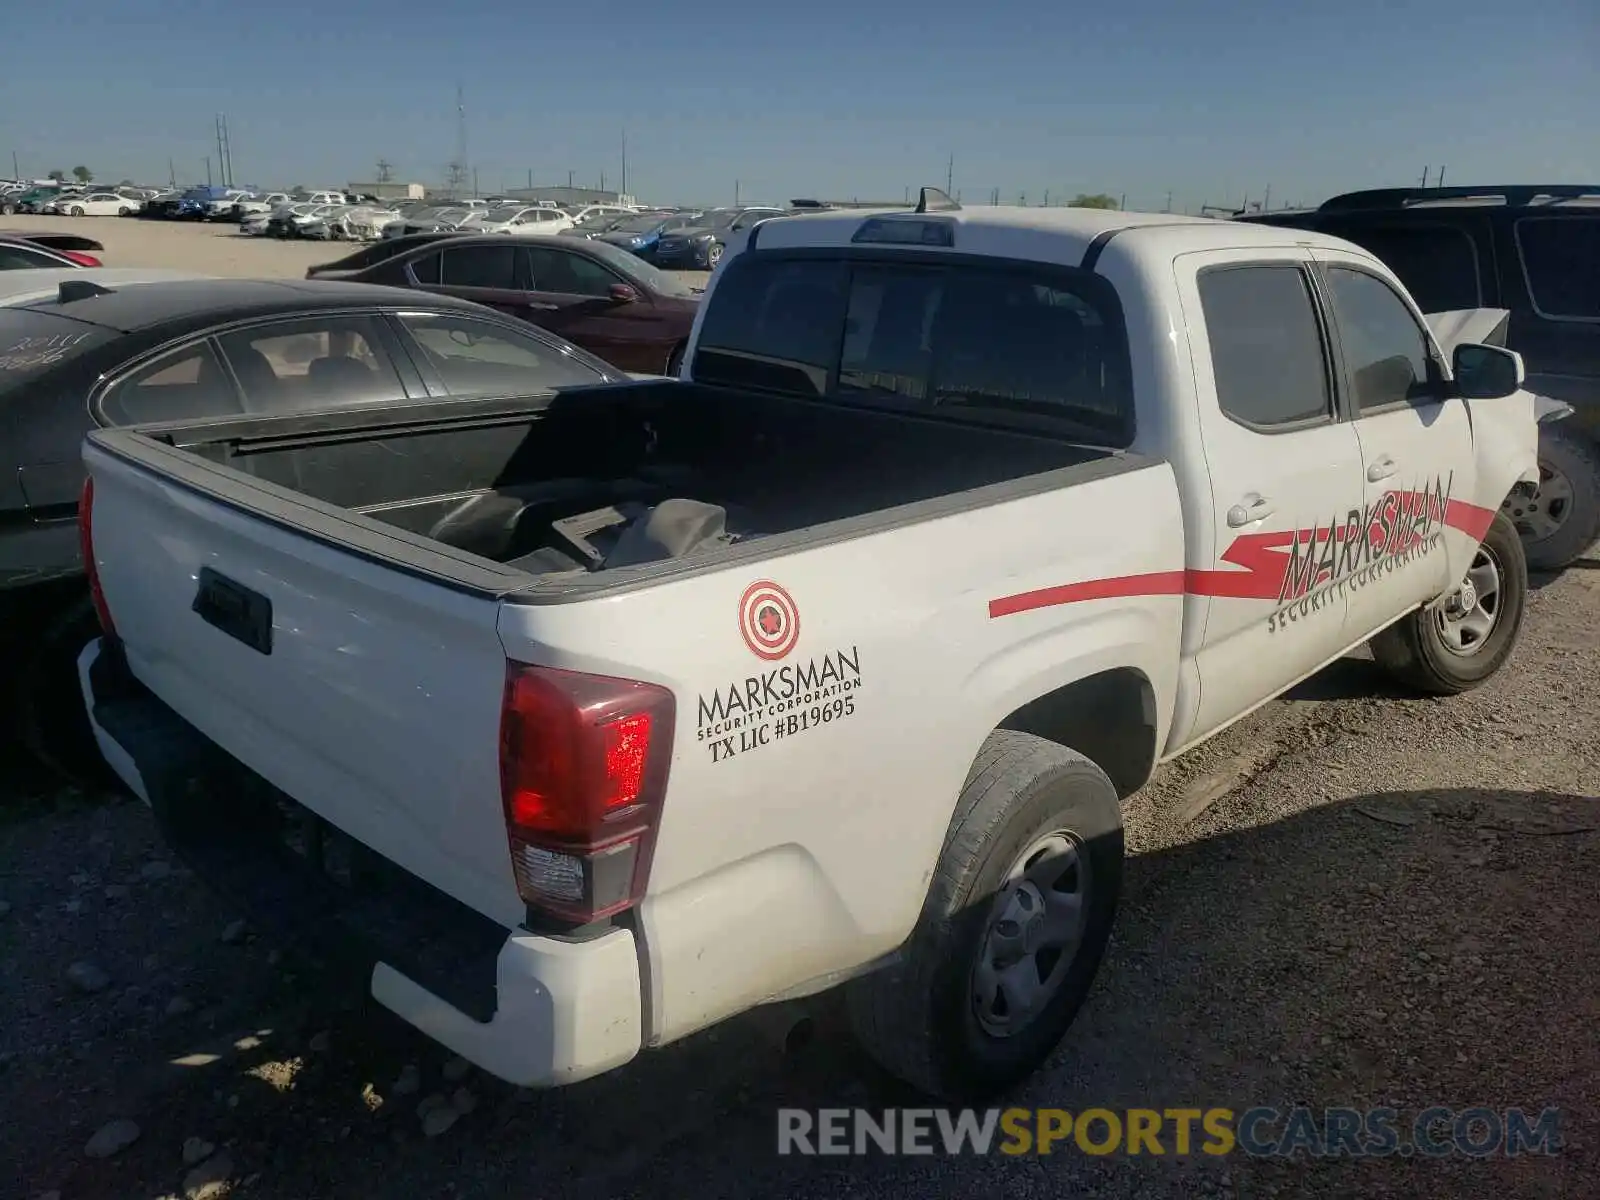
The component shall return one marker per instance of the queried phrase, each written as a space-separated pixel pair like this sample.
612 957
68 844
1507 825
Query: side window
1561 262
426 268
19 258
572 274
476 358
1266 350
479 267
1437 263
774 327
181 386
1385 350
313 364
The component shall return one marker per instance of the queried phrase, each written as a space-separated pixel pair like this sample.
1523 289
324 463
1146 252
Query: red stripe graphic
1263 557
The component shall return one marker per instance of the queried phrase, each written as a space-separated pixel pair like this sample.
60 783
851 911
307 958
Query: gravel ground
1352 898
210 249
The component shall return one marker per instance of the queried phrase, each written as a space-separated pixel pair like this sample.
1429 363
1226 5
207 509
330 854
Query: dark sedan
700 245
604 299
641 234
126 353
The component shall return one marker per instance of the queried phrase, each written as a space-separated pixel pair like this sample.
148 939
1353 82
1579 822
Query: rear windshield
31 343
1031 347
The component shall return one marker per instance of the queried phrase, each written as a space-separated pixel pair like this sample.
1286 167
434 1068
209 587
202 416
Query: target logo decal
768 620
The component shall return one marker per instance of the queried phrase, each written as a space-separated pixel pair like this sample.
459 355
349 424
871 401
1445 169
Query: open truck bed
603 486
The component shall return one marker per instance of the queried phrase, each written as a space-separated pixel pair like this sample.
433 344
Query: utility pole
1439 182
569 180
385 170
474 183
208 170
624 188
950 175
736 193
1424 176
1169 201
530 179
1266 201
172 173
16 171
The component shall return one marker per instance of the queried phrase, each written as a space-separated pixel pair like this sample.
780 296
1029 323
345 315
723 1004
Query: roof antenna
79 289
932 199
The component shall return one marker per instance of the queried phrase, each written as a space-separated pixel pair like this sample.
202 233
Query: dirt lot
210 249
1353 898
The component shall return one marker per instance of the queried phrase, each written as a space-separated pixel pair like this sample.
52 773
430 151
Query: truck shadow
1389 948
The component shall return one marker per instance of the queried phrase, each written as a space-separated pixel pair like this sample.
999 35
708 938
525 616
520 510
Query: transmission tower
385 170
457 174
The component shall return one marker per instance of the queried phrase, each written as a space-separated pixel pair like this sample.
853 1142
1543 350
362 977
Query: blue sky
1208 99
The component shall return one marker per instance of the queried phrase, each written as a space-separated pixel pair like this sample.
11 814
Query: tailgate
369 694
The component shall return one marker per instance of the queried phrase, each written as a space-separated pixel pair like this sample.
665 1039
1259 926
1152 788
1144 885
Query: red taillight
583 768
86 545
82 259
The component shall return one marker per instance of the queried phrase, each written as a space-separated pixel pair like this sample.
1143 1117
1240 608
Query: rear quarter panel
793 851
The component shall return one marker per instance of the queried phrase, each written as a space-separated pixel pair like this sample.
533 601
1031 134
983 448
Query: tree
82 174
1097 201
127 183
58 175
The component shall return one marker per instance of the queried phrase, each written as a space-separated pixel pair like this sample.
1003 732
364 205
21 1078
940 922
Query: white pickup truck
579 728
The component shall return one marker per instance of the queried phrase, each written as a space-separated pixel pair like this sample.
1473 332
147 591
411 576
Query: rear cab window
964 339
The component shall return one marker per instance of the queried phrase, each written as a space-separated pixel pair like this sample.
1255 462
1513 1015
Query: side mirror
1486 372
621 293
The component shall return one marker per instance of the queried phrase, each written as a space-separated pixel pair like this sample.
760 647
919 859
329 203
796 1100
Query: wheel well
1110 718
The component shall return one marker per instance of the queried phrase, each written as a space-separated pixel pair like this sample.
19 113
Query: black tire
7 209
917 1016
1416 649
1572 455
52 722
714 255
675 361
75 211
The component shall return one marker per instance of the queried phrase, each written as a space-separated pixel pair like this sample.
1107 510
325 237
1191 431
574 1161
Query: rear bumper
533 1010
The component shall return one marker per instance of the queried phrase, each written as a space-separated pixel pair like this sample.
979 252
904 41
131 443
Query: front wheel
714 254
1454 644
122 212
675 362
1013 929
76 210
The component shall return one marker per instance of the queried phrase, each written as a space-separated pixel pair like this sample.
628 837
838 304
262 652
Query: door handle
1381 469
541 307
1243 514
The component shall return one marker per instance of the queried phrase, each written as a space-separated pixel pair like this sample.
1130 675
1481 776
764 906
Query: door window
1267 353
187 384
477 358
1385 349
314 364
1561 261
479 267
570 274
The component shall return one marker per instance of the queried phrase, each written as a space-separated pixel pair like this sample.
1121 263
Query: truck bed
602 485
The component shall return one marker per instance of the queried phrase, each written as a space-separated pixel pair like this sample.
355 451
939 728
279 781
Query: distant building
570 195
389 191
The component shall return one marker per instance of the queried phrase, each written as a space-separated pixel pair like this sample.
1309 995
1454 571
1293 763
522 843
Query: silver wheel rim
714 254
1470 613
1034 930
1537 517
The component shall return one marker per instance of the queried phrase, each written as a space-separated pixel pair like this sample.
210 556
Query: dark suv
1531 249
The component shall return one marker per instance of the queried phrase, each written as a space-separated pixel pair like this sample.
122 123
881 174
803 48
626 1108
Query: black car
700 246
1531 249
205 348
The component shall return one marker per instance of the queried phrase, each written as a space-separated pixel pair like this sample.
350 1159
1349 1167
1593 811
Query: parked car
700 246
23 254
162 346
248 205
521 221
74 246
1533 249
641 235
95 204
630 701
594 226
352 265
439 219
31 201
292 222
162 207
592 294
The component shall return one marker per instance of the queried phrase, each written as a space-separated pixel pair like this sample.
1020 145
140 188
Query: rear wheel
52 722
675 361
76 210
1562 519
1013 929
714 254
1456 643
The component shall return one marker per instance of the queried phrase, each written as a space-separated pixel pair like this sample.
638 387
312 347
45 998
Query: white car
247 206
596 212
362 223
523 222
96 204
835 659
